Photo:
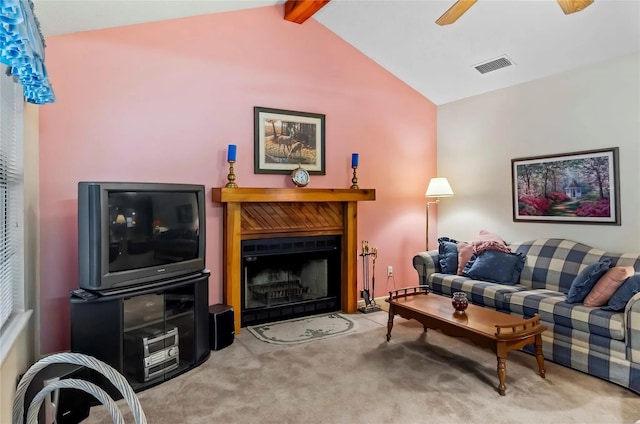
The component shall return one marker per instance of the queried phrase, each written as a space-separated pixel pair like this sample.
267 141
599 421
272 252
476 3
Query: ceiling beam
299 11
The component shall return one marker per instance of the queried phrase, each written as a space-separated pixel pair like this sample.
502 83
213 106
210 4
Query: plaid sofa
602 343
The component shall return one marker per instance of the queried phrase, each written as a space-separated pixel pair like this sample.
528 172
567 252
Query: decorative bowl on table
459 302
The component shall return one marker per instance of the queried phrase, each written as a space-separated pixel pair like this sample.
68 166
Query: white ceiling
401 35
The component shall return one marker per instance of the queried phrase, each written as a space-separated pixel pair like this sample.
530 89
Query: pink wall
161 102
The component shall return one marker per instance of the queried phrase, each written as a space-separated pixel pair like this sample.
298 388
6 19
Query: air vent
494 64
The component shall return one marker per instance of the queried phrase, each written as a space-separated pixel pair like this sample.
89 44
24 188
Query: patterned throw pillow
447 255
584 282
607 285
495 267
621 297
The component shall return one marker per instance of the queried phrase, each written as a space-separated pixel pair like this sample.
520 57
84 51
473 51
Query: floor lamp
438 187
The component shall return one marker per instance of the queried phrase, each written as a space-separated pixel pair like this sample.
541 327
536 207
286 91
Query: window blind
11 198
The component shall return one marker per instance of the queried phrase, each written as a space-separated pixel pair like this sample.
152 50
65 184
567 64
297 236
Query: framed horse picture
285 140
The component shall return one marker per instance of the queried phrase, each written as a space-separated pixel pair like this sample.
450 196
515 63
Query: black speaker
221 326
63 406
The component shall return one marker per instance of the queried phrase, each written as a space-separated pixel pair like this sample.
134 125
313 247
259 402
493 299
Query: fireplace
289 277
254 214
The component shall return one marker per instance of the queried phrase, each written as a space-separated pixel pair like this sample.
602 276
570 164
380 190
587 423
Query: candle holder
231 177
354 180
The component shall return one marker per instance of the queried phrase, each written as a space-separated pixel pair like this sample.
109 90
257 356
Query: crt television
130 234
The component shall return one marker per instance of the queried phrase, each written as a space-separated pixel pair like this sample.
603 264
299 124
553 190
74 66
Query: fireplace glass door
289 277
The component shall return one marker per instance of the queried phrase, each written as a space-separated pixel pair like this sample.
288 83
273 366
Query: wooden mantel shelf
258 212
243 195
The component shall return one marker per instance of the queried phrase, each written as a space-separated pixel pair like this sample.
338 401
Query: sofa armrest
426 263
632 323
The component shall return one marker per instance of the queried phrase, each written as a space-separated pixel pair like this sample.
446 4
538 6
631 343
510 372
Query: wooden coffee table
484 327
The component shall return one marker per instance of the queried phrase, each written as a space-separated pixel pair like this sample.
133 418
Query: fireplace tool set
366 294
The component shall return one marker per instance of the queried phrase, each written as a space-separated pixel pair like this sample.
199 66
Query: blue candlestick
231 153
354 165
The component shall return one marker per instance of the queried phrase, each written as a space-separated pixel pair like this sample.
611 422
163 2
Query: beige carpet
361 378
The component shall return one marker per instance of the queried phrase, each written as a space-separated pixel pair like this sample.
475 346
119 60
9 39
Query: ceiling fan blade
455 11
572 6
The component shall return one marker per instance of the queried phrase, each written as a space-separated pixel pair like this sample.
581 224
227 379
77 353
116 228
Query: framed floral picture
285 139
579 187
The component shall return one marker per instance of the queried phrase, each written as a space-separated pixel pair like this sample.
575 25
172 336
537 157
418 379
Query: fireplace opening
289 277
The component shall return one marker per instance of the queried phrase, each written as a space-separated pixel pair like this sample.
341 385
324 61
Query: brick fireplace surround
253 213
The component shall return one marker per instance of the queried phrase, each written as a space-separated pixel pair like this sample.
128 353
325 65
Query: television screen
131 234
151 228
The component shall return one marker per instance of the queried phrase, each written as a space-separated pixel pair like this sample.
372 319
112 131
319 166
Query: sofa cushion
588 341
607 285
625 292
447 255
584 282
552 307
478 292
495 266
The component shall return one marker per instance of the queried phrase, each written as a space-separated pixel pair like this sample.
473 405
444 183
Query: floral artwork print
578 187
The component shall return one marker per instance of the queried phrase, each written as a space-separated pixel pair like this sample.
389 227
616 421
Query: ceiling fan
461 6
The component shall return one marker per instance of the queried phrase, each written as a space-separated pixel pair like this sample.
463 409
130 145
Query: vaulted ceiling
402 36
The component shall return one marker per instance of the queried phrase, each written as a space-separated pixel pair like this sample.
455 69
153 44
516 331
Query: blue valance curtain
22 49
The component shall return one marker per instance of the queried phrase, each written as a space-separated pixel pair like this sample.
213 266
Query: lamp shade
439 187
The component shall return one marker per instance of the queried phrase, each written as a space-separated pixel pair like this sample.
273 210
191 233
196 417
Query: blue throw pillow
448 255
625 292
495 266
584 282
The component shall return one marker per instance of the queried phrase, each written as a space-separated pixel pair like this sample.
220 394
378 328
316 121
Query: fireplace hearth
289 277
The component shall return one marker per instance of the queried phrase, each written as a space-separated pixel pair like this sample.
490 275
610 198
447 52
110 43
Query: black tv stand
147 333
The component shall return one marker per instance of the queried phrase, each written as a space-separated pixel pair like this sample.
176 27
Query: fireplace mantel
246 195
261 212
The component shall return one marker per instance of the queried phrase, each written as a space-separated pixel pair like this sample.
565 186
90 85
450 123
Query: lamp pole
438 187
430 203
